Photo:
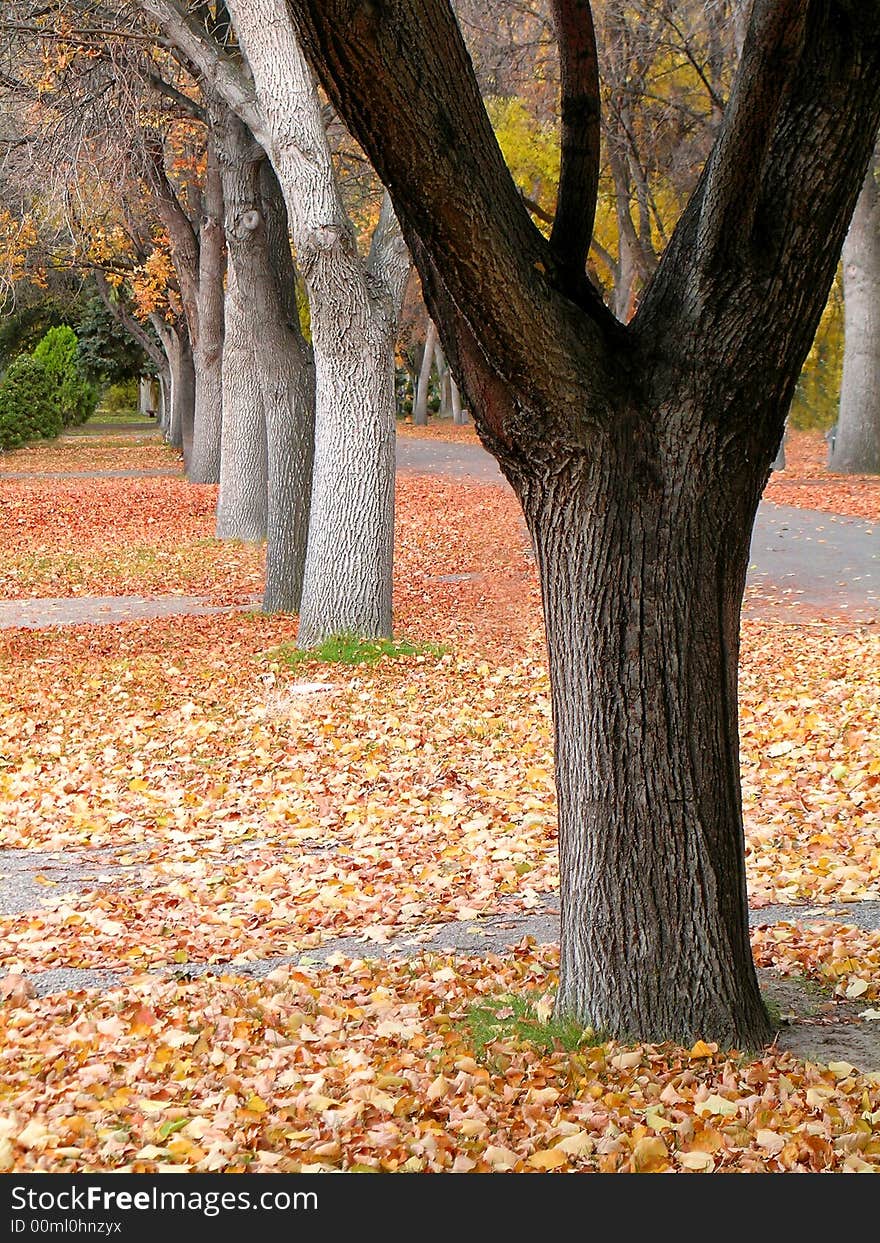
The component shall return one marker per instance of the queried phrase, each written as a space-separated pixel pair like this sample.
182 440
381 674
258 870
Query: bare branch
579 168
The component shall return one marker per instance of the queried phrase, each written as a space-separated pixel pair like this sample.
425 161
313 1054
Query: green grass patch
347 649
119 416
516 1018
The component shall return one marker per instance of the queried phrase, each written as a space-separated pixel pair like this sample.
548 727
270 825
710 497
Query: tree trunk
183 392
204 466
642 588
420 409
457 413
856 448
268 377
242 504
289 404
639 452
355 307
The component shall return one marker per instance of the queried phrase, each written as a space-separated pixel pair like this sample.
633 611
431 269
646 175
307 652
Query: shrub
121 398
28 403
75 396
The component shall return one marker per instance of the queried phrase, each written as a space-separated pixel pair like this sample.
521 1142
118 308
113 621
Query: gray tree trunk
183 392
354 307
420 409
204 466
856 445
289 404
242 504
268 375
458 415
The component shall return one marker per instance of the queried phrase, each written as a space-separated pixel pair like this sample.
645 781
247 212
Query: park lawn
86 453
235 807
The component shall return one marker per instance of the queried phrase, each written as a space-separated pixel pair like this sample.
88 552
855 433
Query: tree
639 452
354 307
856 445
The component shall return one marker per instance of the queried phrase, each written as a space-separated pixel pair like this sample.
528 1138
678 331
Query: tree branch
182 102
579 167
135 330
402 78
732 179
219 71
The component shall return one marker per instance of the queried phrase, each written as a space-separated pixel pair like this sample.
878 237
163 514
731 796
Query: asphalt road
801 556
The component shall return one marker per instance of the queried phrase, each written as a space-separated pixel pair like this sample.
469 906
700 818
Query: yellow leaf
716 1105
700 1162
580 1144
771 1140
500 1158
701 1049
548 1159
650 1155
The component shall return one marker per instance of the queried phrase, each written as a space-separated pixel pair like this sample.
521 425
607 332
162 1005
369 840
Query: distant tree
74 395
107 353
28 406
855 447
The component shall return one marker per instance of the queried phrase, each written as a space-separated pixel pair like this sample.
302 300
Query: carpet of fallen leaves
808 483
230 809
82 453
368 1066
441 429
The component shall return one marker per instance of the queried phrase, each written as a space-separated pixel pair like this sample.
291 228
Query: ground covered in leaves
233 807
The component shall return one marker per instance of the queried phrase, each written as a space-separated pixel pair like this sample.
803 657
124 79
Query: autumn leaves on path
194 800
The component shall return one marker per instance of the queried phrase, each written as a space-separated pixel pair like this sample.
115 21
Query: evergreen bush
76 398
28 403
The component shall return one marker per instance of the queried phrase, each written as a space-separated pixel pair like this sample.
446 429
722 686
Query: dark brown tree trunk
642 575
639 451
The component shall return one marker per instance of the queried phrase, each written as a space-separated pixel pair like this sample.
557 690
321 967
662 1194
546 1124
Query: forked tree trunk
639 452
856 446
204 466
642 587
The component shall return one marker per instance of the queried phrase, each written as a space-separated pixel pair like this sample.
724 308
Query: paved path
157 473
818 560
42 613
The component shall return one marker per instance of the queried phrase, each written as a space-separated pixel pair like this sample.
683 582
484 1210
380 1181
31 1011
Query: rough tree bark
287 367
180 414
204 466
355 306
243 501
268 373
200 277
639 452
856 446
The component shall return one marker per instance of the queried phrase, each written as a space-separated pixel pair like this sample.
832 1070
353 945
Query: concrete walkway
40 614
807 559
158 473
